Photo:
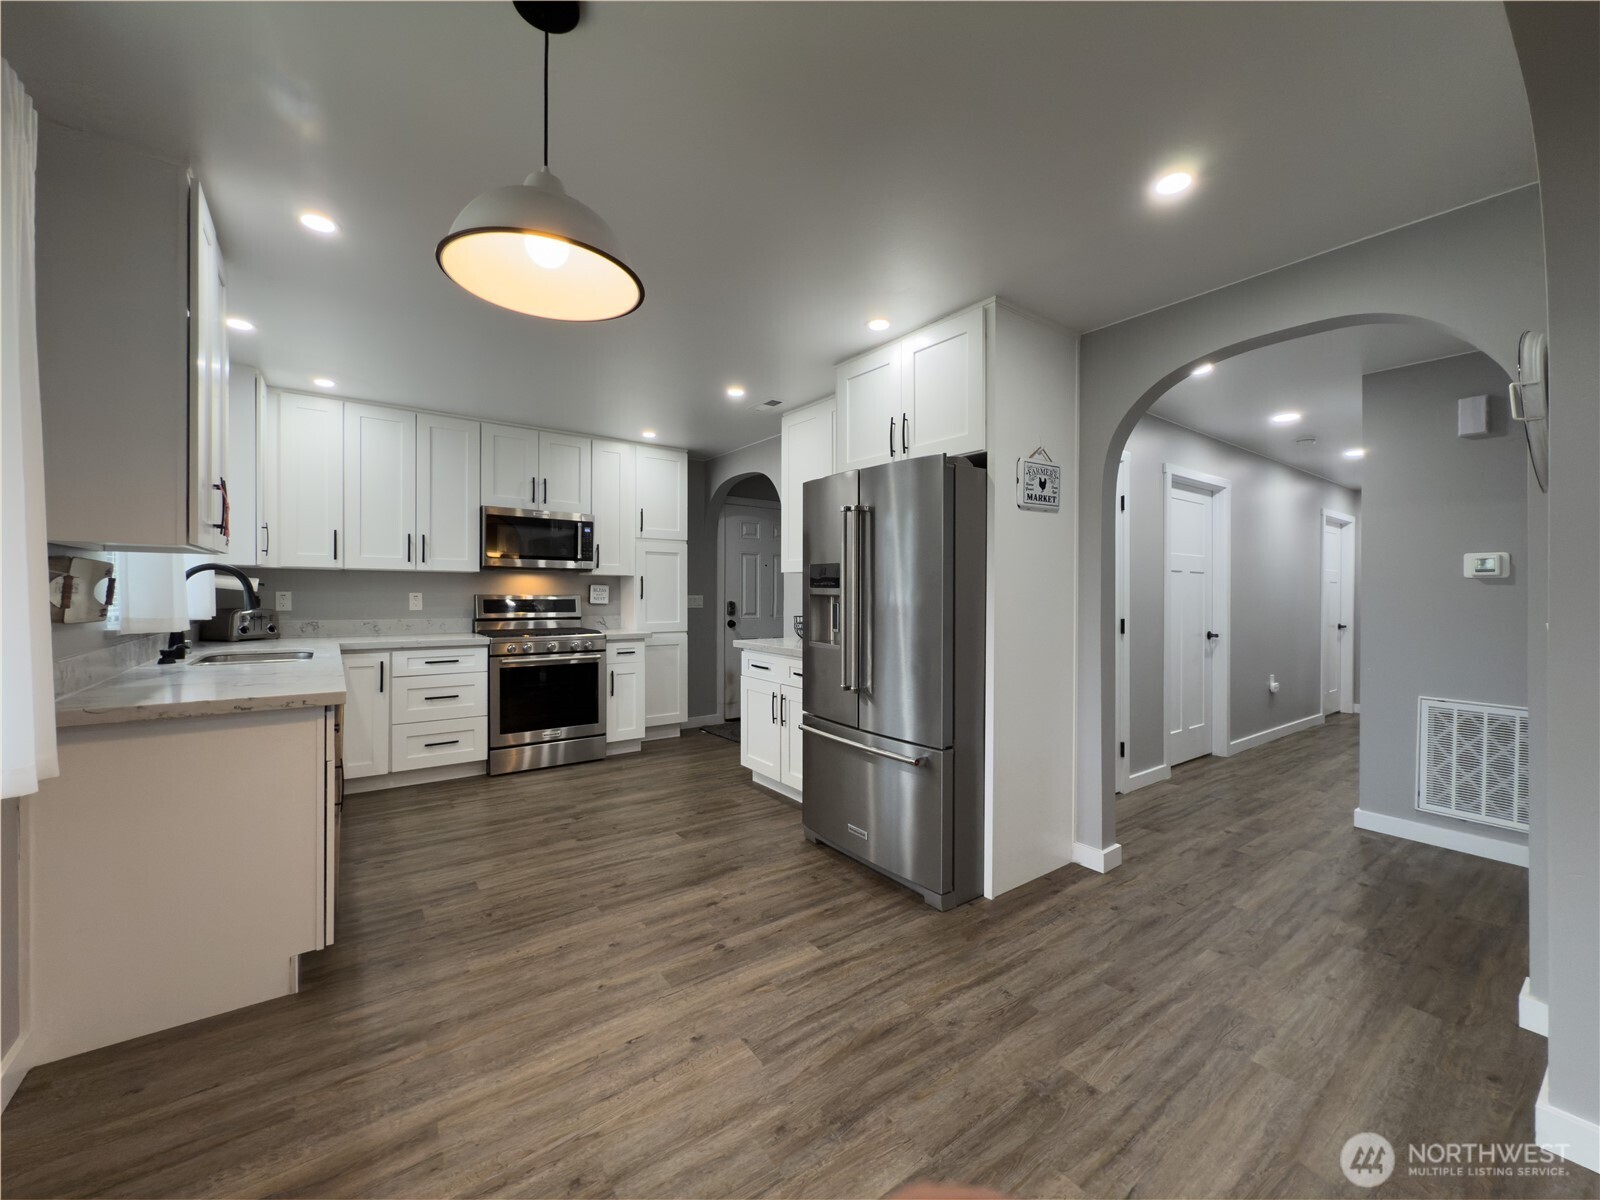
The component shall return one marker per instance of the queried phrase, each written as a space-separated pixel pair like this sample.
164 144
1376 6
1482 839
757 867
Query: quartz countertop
626 635
153 692
792 647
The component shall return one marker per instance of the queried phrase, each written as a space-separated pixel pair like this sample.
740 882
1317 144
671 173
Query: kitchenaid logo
1368 1159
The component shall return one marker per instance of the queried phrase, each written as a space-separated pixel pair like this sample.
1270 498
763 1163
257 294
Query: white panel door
310 482
808 444
380 488
793 756
662 493
760 735
510 466
666 679
752 599
1188 602
448 526
366 715
945 388
615 531
663 586
625 701
564 473
869 409
1338 615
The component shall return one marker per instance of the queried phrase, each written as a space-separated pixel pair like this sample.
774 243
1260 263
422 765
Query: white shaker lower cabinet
771 744
666 698
438 743
366 715
627 677
662 590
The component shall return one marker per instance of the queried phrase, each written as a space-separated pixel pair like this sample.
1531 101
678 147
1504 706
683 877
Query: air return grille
1472 761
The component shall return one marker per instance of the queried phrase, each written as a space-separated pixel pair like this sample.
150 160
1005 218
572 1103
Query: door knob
1210 636
1341 627
732 624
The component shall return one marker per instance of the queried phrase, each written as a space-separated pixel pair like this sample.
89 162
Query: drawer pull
761 666
625 653
436 662
451 742
451 696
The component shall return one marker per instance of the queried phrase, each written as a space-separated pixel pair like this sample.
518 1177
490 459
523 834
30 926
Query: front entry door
1189 623
752 603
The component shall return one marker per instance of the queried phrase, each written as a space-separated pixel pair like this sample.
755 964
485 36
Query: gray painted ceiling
777 173
1318 377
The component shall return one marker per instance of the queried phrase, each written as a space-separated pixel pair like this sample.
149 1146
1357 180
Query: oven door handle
534 659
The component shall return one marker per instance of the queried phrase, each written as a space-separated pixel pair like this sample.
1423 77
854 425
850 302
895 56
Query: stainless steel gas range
547 698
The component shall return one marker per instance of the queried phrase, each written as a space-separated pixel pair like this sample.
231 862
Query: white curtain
27 692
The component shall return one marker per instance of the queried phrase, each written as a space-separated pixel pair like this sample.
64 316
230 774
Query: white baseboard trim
14 1068
1276 732
1573 1137
632 746
655 733
1533 1014
706 719
1358 709
1098 858
1148 776
1464 840
400 779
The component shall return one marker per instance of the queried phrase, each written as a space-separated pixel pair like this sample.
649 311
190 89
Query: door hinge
1122 749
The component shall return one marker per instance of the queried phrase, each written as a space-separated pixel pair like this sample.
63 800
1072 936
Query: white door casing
1195 646
1338 612
751 588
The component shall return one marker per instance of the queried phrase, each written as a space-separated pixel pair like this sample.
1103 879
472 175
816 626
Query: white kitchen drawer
438 743
625 652
772 667
438 698
797 672
440 661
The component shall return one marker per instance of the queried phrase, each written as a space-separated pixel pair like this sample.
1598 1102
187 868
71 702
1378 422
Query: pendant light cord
547 99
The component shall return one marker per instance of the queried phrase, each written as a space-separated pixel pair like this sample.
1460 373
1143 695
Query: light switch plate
285 602
697 601
599 593
416 601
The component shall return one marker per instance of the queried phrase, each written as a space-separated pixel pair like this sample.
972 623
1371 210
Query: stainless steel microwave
525 539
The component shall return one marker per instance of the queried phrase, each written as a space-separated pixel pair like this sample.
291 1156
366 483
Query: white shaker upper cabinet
564 482
663 586
380 488
448 528
305 493
869 410
615 513
944 388
210 523
510 466
662 480
808 442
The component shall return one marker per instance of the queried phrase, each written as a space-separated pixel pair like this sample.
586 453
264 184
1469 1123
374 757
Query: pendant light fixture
531 247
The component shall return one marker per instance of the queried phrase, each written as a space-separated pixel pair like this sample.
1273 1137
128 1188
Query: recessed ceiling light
1201 370
322 381
735 392
1285 418
241 325
1174 183
319 222
878 324
1355 452
649 433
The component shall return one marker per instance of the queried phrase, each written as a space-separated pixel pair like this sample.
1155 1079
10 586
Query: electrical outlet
416 601
697 601
285 602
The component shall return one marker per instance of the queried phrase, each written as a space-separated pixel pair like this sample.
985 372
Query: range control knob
552 647
586 646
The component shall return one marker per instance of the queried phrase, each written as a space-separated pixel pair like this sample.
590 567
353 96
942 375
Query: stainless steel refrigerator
895 563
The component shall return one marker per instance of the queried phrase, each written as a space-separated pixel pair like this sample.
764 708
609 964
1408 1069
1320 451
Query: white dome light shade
534 249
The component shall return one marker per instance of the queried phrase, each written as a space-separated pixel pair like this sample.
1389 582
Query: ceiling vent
771 403
1472 762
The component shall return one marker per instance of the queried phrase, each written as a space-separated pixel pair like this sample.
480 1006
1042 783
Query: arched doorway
743 576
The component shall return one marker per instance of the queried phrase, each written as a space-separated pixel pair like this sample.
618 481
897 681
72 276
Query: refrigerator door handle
833 737
848 585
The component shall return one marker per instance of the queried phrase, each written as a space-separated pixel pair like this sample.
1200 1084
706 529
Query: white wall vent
1472 761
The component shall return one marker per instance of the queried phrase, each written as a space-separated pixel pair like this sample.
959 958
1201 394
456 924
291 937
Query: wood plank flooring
635 978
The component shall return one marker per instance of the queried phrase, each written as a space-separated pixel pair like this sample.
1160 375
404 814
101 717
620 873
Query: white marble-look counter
153 692
627 635
791 647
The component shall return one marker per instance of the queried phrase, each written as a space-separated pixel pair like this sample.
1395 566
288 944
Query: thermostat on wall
599 593
1494 564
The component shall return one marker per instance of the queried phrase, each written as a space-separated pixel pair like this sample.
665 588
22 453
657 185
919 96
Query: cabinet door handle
613 683
774 708
905 423
451 742
533 489
335 545
380 675
641 587
424 547
545 499
266 544
783 710
408 547
641 520
891 437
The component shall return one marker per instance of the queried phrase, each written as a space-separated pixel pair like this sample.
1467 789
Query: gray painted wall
1275 582
1429 498
1557 47
1476 272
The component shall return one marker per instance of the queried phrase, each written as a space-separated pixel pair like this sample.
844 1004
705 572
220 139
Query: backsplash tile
96 666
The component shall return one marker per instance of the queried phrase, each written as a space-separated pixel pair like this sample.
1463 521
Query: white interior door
1188 603
752 604
1338 612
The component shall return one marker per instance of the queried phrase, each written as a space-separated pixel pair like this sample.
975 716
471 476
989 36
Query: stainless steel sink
228 658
